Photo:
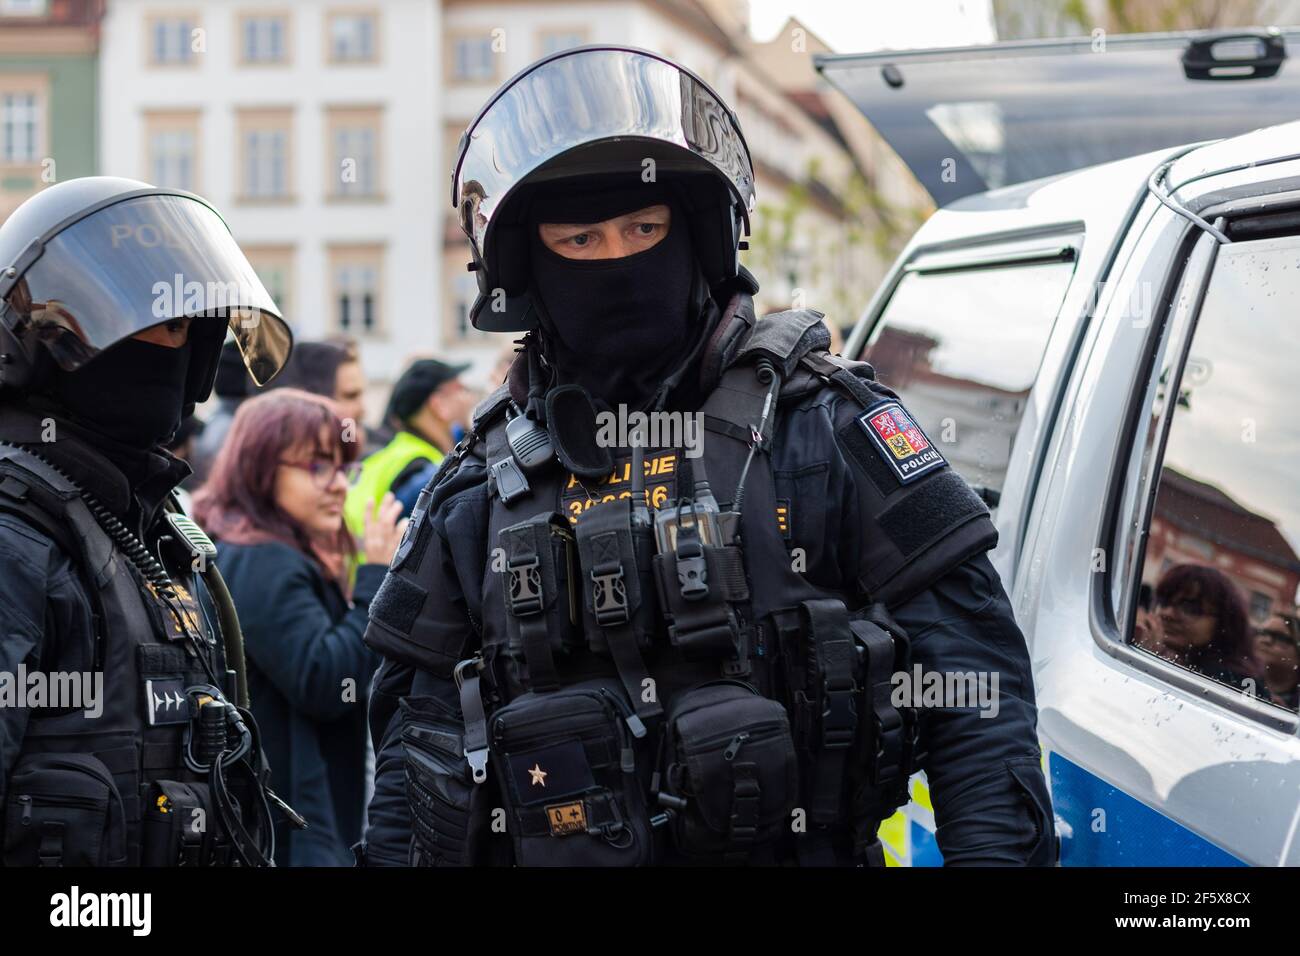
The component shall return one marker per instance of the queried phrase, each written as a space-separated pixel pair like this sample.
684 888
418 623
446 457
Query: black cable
132 548
766 373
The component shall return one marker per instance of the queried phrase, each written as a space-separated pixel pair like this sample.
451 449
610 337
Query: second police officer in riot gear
606 648
115 298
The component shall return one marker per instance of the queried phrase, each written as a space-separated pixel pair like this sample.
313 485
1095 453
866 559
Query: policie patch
900 440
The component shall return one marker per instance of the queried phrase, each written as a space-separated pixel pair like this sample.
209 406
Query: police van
1100 327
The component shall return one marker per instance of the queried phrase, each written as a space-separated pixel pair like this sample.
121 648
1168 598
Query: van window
1222 561
962 348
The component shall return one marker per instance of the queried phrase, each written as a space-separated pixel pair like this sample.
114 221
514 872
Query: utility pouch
730 771
887 749
567 770
541 602
180 827
698 584
618 590
825 681
615 549
450 815
64 810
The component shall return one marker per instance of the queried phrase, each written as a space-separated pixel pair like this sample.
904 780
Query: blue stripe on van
1134 834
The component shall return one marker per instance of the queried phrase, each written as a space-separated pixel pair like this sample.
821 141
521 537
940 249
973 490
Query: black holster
856 748
540 605
618 598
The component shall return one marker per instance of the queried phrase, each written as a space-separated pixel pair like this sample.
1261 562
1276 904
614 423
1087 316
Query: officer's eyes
647 228
580 240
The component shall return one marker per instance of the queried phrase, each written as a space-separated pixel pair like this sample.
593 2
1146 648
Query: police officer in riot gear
622 651
124 734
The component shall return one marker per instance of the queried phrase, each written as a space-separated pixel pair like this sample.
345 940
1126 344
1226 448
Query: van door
966 120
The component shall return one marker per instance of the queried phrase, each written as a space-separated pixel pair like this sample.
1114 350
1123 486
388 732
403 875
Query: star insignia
538 775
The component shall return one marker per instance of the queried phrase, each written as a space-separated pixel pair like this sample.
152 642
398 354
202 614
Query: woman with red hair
274 505
1200 622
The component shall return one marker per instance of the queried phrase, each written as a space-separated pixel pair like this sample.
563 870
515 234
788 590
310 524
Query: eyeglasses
322 472
1278 637
1187 607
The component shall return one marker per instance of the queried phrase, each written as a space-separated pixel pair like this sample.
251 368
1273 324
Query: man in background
428 405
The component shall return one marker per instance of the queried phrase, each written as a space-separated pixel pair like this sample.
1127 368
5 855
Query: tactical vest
112 789
756 728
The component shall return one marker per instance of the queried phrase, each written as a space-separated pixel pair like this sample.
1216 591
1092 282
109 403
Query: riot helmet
89 263
589 112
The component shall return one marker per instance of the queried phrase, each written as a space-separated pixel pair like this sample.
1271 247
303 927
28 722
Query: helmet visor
589 96
135 264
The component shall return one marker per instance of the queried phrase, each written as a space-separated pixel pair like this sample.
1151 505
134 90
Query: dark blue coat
308 675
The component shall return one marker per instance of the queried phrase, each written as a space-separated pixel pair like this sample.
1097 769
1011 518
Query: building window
21 122
265 154
353 37
173 150
356 274
555 41
171 40
353 148
264 39
472 59
274 266
465 291
23 8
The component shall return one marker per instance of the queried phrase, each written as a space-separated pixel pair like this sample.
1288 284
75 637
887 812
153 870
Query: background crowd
307 504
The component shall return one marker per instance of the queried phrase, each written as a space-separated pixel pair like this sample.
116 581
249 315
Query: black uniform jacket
866 523
45 613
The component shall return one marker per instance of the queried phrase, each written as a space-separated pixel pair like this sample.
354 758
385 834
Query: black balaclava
616 327
133 393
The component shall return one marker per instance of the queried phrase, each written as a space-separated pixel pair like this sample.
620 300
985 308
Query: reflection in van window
1222 563
962 349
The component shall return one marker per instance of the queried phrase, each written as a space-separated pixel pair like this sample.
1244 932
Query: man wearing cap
427 405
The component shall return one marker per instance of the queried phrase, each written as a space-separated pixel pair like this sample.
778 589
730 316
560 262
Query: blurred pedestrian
274 505
1201 623
182 446
1277 645
232 386
430 403
331 369
350 389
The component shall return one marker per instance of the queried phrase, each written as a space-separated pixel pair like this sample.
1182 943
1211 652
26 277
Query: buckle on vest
889 747
840 718
509 479
525 587
692 571
609 597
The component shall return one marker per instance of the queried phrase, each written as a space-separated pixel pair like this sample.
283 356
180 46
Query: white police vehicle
1111 355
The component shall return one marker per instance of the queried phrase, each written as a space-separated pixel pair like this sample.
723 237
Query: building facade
48 95
816 240
311 127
